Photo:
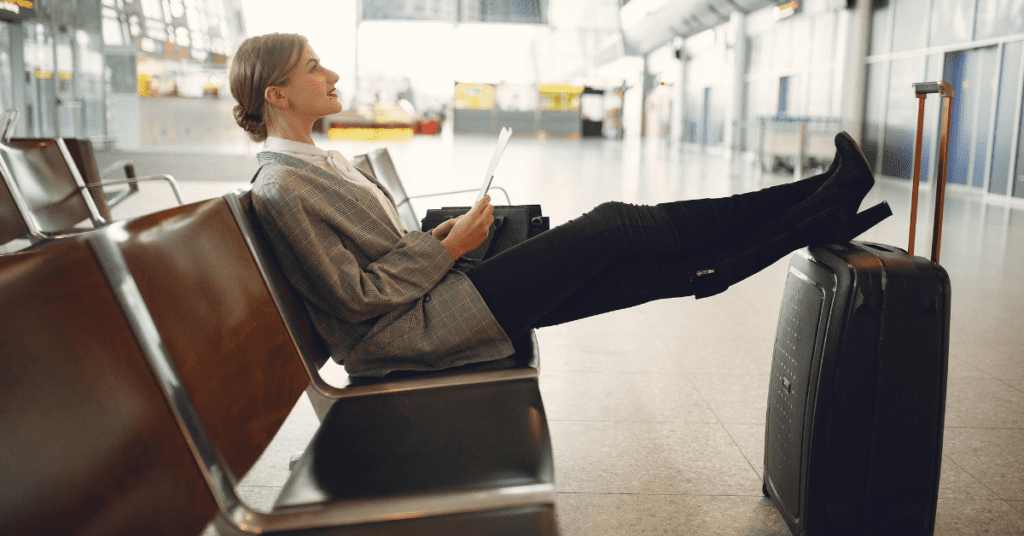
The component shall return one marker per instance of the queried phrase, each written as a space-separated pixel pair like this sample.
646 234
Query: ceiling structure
650 24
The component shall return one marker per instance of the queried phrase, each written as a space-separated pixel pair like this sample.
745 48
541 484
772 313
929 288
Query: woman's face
310 87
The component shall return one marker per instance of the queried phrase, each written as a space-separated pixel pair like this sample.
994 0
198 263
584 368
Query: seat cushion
457 438
526 355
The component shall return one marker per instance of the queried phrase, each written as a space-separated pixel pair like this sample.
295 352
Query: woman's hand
469 230
441 231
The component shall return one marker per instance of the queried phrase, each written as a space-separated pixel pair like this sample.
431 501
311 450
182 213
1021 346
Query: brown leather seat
88 443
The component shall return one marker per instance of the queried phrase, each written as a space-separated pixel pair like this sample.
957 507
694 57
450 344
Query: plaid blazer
382 301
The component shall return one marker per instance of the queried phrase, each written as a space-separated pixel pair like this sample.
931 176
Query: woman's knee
610 214
640 229
620 214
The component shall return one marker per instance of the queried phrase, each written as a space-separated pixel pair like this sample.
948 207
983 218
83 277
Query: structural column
17 50
634 99
853 65
736 54
678 120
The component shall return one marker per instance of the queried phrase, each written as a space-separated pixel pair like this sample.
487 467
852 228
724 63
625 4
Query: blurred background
768 80
641 101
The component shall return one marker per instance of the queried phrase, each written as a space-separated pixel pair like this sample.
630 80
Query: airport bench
177 300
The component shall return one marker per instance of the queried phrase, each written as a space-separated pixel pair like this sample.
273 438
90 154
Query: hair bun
251 123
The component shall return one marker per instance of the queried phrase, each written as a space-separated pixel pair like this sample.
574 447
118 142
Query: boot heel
869 218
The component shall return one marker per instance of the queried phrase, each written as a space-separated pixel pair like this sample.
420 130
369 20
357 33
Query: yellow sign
17 9
560 97
144 80
370 134
474 96
559 88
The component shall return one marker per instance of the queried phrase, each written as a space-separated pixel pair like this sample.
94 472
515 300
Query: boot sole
868 219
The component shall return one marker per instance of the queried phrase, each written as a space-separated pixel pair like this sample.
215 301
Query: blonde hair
260 62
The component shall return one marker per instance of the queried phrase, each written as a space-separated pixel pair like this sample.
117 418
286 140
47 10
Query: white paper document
503 137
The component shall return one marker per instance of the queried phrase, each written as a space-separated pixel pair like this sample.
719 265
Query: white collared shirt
334 163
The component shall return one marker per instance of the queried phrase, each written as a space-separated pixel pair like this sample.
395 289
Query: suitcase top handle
946 92
942 88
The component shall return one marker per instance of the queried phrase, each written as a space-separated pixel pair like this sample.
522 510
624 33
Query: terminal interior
656 413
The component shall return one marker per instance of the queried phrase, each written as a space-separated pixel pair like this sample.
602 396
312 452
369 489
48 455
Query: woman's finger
484 201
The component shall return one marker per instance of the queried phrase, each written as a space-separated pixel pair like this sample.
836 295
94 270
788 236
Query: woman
385 298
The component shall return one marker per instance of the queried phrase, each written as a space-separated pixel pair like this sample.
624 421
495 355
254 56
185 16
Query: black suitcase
853 441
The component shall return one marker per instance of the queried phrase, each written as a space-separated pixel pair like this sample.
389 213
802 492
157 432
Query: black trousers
616 256
619 255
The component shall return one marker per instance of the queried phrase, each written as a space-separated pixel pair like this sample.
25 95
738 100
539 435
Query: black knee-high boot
827 215
702 223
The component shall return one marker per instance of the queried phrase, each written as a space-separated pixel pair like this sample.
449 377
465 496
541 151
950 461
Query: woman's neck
292 130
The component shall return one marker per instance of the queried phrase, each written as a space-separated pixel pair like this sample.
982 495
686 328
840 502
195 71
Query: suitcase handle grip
942 88
945 90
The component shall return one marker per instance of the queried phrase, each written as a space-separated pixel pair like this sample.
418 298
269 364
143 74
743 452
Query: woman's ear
275 97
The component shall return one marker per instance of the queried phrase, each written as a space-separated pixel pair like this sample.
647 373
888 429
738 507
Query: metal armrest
508 201
133 187
132 182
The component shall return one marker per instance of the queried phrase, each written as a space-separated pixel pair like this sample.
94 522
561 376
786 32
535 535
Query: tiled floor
657 412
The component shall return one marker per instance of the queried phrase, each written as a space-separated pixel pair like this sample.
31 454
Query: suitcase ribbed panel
788 392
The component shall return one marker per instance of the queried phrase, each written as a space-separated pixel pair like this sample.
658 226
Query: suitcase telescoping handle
946 92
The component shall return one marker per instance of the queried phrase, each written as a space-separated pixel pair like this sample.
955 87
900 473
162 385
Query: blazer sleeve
341 252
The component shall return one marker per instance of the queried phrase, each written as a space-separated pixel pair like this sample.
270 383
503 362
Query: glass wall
976 45
707 87
500 11
901 117
69 109
874 112
182 45
40 86
1006 111
6 68
971 74
790 67
1018 178
89 78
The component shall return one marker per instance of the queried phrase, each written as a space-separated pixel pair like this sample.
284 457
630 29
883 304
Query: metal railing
796 143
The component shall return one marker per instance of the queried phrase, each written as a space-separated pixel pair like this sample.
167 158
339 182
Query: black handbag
512 225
